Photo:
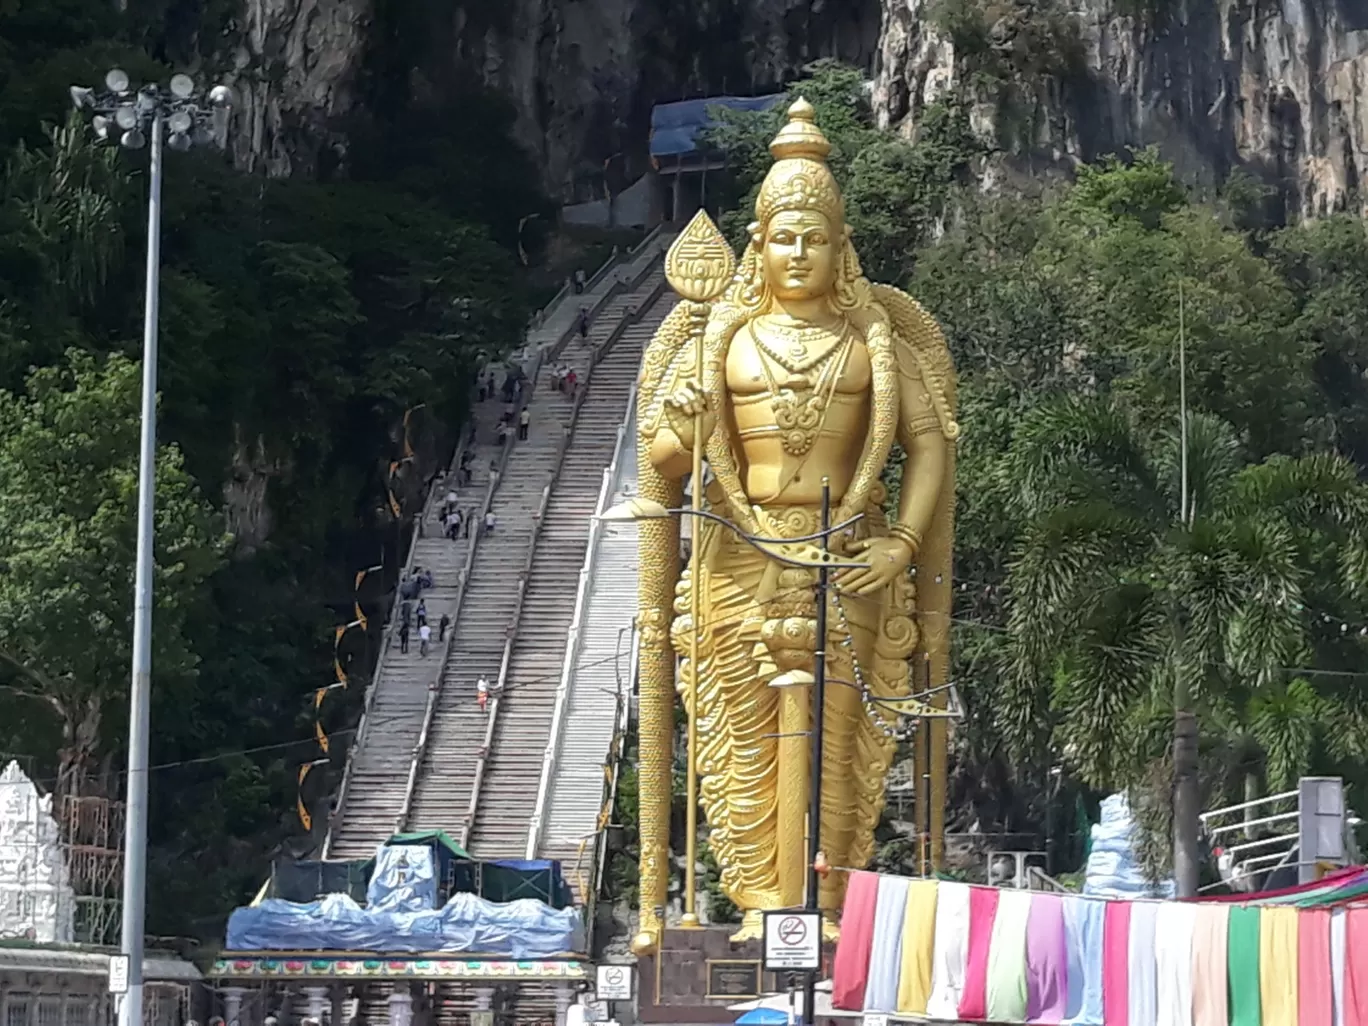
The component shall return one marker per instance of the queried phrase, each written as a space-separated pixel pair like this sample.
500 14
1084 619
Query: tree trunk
1251 793
80 736
1186 799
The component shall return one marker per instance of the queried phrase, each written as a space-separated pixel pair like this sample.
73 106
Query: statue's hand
888 557
688 398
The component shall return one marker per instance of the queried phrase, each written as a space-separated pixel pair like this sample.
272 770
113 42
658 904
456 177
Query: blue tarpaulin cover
675 126
518 929
405 879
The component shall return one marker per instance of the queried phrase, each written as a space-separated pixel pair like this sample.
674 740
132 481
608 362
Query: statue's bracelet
908 534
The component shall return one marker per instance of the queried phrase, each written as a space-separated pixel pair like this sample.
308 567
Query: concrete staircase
419 758
601 668
512 777
379 764
442 791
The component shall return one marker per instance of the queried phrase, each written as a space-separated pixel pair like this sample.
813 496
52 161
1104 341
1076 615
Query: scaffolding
92 830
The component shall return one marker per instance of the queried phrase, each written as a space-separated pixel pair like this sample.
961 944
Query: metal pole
699 315
818 721
140 694
1186 810
1182 407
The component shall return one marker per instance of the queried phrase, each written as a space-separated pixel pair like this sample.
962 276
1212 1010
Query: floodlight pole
140 694
153 111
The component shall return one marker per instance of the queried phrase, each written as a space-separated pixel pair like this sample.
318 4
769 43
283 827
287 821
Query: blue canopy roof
675 126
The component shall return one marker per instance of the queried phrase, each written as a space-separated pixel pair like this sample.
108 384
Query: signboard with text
793 941
614 983
118 974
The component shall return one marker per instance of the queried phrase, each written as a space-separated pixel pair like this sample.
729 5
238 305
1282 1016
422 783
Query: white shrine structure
45 978
36 900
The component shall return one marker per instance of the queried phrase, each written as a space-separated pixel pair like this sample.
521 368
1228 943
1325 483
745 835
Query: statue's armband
917 401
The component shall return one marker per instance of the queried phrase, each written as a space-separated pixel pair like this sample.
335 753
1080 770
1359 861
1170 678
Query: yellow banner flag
318 696
304 818
337 641
408 448
322 737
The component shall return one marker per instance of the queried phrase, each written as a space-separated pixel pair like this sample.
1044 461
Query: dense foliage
1081 592
300 320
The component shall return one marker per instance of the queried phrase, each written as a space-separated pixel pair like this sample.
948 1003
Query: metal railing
623 283
511 632
386 636
612 772
542 354
574 638
435 688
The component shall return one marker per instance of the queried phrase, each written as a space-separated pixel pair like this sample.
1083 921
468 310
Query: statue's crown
800 178
800 137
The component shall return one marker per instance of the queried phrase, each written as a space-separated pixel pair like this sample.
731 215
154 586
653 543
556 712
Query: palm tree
1124 619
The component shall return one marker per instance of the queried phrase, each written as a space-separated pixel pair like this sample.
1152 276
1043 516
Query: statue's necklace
800 412
800 347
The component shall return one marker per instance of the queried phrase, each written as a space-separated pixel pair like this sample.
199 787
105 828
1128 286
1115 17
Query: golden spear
698 266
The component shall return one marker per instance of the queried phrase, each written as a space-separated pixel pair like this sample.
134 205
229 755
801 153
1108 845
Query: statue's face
799 254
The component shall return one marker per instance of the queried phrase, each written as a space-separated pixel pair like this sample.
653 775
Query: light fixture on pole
149 116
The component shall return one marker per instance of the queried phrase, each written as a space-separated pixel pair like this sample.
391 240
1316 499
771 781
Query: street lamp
148 117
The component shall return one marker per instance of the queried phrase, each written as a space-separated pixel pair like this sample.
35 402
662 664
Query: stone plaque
733 978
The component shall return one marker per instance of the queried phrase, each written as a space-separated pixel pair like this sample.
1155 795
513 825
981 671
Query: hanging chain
866 699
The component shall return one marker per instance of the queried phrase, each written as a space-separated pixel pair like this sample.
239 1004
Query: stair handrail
627 281
612 772
603 269
573 639
515 620
435 688
648 239
386 636
629 276
542 354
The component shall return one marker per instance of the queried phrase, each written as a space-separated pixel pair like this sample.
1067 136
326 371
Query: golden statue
798 372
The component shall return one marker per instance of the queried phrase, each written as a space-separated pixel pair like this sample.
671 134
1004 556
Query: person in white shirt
424 636
482 692
490 520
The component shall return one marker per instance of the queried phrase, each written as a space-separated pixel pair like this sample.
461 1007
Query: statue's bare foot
752 927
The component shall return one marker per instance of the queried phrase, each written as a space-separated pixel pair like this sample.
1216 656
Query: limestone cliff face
582 74
294 64
1279 87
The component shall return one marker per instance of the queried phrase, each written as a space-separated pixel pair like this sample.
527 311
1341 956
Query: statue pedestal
696 974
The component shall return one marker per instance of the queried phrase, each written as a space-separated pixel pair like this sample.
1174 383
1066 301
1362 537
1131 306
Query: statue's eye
782 238
817 239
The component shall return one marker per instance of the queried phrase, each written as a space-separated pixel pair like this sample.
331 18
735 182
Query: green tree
896 191
68 498
1120 615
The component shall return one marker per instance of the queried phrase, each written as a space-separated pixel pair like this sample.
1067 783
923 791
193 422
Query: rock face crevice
1278 87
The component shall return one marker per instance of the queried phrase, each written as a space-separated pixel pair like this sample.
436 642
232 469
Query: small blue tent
675 127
